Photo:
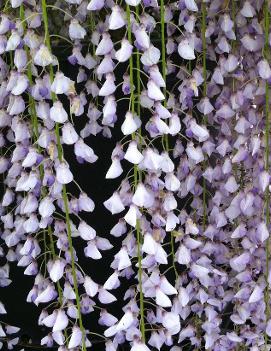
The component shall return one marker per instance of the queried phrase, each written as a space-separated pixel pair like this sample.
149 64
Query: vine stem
64 190
35 124
204 51
235 166
267 163
137 172
34 119
163 52
163 44
165 139
204 93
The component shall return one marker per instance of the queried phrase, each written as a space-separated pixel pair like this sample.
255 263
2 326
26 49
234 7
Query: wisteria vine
183 89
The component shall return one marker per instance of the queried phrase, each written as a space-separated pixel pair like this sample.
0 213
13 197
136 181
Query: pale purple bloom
43 57
116 19
62 84
125 51
58 113
95 5
76 31
186 50
76 337
63 173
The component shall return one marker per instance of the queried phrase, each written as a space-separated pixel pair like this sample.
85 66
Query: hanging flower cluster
183 89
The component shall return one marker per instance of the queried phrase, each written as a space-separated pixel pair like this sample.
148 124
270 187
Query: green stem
204 51
35 124
138 85
203 30
31 101
139 236
141 296
137 172
165 139
34 120
163 52
131 64
267 163
233 45
173 254
163 44
64 190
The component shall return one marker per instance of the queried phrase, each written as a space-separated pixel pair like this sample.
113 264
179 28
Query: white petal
132 2
112 282
61 321
171 221
143 197
111 331
114 204
149 245
95 5
90 286
262 232
132 154
172 182
2 308
123 259
138 346
58 337
151 56
106 297
161 255
154 92
129 125
257 294
183 297
166 287
200 132
76 337
115 170
126 321
132 215
125 51
162 299
57 113
183 255
171 321
57 270
185 50
116 19
191 5
86 231
92 251
231 185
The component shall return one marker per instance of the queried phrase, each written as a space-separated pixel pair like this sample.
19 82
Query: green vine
137 172
204 52
267 163
64 190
